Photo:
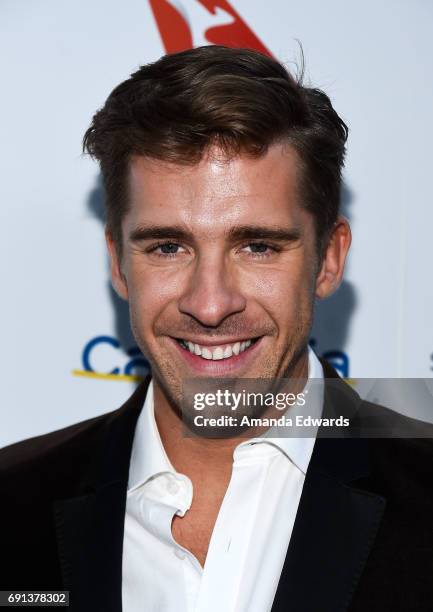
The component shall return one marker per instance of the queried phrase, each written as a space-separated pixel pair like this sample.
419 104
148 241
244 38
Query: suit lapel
336 522
90 536
90 526
332 536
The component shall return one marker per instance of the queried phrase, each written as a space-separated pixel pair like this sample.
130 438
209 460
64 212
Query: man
222 177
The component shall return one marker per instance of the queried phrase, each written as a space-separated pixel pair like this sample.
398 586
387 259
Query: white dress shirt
251 534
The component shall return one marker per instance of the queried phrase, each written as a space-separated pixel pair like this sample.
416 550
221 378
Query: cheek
151 293
282 290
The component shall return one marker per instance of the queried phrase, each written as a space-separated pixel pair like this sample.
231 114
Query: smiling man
222 176
227 287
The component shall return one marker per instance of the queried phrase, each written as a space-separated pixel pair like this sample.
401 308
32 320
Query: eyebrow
243 232
152 232
258 232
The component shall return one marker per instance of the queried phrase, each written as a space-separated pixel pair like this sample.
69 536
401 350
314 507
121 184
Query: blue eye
260 250
258 247
165 249
169 248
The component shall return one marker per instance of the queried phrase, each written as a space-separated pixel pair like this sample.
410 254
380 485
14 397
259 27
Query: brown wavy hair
238 99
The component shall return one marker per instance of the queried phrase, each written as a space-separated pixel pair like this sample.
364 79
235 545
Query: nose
212 293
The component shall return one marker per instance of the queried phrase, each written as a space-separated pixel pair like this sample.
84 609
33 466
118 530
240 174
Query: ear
334 258
117 278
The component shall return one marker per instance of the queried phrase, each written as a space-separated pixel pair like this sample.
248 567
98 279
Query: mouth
217 352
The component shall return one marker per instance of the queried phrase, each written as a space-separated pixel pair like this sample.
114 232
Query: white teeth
219 352
227 351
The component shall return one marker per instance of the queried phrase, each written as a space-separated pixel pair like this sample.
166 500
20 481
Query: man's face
219 266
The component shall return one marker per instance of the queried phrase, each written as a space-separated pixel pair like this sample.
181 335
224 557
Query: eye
260 249
169 248
165 249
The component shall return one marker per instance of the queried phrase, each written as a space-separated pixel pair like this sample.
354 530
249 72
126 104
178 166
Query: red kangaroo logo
184 24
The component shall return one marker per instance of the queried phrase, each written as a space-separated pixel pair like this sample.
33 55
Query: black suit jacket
362 539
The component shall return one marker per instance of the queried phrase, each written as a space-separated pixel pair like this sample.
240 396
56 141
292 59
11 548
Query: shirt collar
299 449
148 456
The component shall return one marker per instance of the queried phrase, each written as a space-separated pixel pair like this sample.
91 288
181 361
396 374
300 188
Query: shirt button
179 554
172 487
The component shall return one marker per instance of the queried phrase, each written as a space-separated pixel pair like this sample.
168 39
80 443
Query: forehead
217 191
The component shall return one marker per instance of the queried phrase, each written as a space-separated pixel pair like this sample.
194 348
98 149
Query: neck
193 456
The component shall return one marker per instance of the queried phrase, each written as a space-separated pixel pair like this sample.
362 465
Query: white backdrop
60 60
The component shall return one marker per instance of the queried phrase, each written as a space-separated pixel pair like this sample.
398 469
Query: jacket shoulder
40 462
65 462
406 464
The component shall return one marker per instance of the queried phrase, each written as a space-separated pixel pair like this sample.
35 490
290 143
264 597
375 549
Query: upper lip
215 341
